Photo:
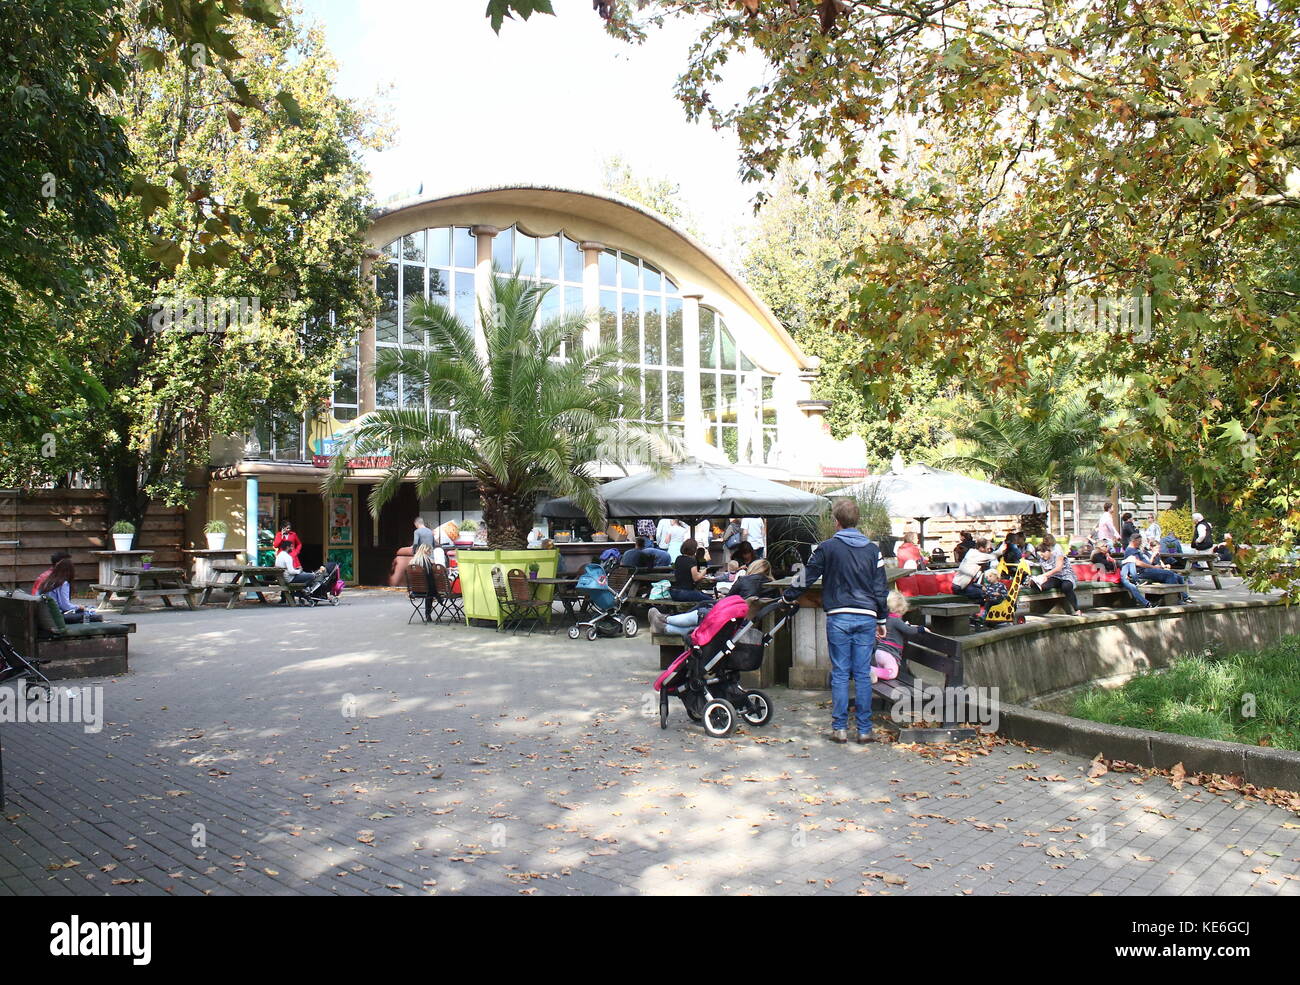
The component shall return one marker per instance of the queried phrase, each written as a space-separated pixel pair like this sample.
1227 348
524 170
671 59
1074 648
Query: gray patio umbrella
922 492
695 491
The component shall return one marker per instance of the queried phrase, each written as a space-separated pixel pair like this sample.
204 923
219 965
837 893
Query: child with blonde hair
889 649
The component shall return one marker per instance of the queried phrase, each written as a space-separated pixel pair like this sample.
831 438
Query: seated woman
909 553
688 572
58 586
970 573
743 554
1058 574
1101 557
747 586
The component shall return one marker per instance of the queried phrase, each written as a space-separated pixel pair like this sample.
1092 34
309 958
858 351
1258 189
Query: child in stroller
706 677
326 586
607 586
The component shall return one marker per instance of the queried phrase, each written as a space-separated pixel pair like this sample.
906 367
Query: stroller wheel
719 718
574 632
630 626
38 692
593 634
334 600
663 709
758 711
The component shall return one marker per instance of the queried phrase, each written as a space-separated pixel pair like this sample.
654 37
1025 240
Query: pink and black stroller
325 586
706 677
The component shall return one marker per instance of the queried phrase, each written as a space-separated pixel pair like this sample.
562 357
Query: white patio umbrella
921 492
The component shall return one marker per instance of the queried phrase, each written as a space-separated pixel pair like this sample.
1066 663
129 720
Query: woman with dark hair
743 554
288 540
687 573
58 586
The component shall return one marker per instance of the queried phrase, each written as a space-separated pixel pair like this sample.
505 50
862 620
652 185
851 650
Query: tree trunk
120 477
508 517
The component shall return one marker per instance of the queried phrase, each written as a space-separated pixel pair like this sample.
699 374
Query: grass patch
1211 698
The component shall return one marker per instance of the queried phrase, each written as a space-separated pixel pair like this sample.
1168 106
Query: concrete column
483 280
695 427
591 291
250 520
366 345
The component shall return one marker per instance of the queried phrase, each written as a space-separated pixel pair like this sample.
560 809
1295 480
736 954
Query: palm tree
1042 440
524 411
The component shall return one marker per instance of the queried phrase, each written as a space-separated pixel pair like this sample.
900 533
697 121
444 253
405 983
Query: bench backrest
939 653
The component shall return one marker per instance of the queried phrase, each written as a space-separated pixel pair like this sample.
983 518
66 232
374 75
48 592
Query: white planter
122 542
216 542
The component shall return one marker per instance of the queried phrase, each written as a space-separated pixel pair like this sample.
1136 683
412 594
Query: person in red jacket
55 558
289 539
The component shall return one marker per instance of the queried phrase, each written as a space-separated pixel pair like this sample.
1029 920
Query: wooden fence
74 520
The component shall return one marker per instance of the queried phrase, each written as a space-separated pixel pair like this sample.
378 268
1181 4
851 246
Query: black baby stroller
707 675
16 667
326 586
607 586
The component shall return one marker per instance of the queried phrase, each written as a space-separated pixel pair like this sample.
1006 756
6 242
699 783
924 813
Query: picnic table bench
134 584
237 579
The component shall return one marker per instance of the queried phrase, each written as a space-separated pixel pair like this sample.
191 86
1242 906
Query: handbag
659 590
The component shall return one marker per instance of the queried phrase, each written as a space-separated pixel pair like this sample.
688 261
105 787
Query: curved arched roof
602 208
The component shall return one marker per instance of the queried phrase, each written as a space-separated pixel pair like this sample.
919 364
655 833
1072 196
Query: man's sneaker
865 737
1186 600
658 621
840 735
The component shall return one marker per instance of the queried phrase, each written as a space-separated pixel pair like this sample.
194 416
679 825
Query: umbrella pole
920 537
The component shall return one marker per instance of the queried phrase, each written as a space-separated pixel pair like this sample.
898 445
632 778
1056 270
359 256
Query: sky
547 101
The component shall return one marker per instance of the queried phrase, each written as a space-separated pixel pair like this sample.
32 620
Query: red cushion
907 585
1086 572
943 582
1111 576
927 583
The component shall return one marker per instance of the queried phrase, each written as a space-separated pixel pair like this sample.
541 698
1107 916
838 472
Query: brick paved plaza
475 762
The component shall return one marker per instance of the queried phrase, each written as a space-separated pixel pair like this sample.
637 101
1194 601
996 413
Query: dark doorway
396 529
306 512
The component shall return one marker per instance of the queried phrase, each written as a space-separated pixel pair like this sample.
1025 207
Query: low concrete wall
1040 658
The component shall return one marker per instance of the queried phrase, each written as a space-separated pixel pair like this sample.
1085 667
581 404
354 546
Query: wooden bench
942 655
92 649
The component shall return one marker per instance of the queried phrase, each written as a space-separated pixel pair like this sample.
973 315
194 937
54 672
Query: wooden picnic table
132 584
1209 557
237 579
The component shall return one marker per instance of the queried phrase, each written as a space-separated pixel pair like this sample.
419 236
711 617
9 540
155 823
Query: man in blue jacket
855 596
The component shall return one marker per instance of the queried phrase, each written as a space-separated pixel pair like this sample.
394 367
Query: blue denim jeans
1133 590
851 639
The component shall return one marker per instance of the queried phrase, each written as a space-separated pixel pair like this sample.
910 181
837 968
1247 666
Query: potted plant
468 532
528 420
146 562
215 532
123 534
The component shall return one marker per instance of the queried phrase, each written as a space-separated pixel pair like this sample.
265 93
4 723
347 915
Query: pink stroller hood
730 607
673 667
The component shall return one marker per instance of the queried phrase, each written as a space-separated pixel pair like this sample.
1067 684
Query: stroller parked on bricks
706 677
607 585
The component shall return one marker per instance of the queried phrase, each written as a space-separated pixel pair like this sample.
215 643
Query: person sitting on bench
55 558
644 555
970 572
747 586
1148 570
688 571
58 586
889 650
292 572
1058 573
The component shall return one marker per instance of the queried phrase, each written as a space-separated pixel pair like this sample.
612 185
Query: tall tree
269 215
1018 155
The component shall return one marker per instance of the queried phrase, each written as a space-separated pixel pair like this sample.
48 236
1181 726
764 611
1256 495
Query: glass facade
640 310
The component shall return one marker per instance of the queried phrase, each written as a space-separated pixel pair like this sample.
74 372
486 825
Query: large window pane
412 290
608 318
386 319
673 326
631 337
439 285
608 269
676 396
550 256
412 393
345 379
727 408
413 247
652 353
652 279
465 246
465 304
526 254
709 395
386 392
654 395
629 272
573 261
440 247
728 358
708 340
769 408
502 246
730 442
